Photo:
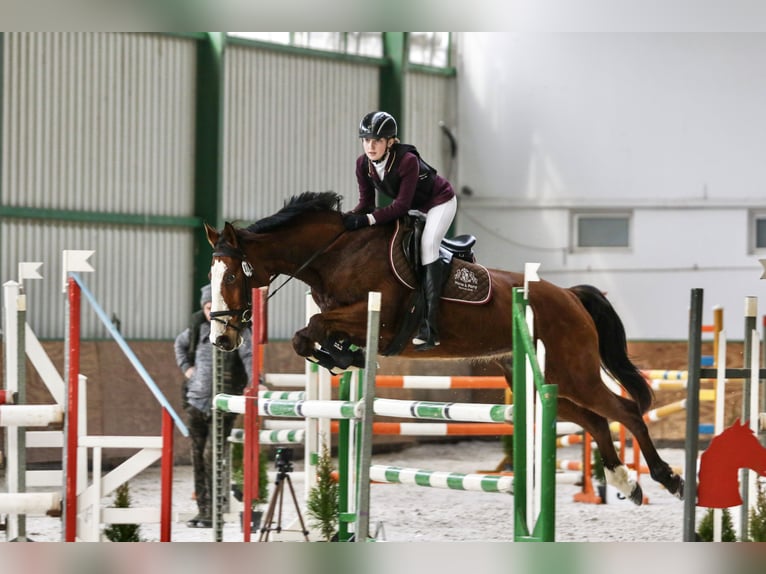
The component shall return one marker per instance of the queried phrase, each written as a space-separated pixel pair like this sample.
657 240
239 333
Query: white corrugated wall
135 278
429 100
101 122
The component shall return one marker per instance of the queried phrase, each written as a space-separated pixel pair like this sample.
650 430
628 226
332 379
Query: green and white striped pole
524 356
362 528
442 479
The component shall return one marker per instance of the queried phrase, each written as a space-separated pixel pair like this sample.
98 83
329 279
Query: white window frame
578 216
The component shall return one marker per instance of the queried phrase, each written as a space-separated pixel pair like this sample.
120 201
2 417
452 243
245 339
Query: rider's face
206 308
375 149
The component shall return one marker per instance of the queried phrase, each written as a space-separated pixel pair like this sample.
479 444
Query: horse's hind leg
615 471
626 411
658 468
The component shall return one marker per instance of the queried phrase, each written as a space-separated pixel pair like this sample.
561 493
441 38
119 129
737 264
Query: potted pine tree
238 480
322 503
122 532
757 523
705 528
598 474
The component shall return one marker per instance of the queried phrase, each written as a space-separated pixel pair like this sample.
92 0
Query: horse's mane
306 202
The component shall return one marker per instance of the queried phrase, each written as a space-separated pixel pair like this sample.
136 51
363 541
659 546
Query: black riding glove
354 221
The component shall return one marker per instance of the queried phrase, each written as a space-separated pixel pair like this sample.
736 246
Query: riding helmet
377 125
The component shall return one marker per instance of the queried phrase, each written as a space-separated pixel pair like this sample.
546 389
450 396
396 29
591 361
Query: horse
581 330
736 447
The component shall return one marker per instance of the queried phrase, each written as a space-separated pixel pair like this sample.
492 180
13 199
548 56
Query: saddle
467 281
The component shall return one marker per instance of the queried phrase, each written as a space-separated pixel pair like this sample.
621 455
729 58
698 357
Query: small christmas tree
705 529
122 532
322 504
597 467
238 474
757 525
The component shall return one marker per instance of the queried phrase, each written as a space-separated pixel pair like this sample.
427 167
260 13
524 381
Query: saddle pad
467 282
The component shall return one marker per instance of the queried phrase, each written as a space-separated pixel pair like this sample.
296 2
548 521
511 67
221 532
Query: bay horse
581 331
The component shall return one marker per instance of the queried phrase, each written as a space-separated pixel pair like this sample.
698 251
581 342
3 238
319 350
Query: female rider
397 171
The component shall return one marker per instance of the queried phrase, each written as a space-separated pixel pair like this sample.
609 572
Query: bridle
246 313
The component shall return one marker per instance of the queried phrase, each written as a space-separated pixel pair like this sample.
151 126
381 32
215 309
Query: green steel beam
2 106
391 94
9 211
432 70
208 149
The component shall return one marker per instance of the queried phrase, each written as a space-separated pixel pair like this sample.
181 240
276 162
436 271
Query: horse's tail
613 346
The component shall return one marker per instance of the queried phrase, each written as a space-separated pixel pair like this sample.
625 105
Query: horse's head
286 242
232 277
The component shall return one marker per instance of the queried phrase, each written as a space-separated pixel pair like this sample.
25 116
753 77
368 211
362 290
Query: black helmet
378 125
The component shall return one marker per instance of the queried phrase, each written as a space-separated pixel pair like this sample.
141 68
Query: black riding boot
428 333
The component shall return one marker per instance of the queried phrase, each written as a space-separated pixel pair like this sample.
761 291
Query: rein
303 266
246 312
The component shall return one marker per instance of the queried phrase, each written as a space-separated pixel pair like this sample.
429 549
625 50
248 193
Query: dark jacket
193 348
408 180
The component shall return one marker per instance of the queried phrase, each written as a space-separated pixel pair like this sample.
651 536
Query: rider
396 170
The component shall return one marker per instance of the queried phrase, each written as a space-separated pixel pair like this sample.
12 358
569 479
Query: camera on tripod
284 462
284 459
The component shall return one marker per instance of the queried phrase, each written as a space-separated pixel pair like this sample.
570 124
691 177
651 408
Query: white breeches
438 220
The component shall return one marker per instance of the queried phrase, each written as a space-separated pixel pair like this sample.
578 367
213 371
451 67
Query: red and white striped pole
251 448
73 374
166 476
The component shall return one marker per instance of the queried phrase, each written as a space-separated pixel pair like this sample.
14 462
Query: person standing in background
194 356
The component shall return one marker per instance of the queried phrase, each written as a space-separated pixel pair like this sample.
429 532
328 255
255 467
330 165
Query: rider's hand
354 221
189 372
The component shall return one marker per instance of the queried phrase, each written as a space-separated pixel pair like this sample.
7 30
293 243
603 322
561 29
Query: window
429 49
368 44
425 48
600 230
758 234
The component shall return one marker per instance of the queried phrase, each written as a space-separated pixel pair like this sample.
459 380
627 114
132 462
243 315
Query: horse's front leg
330 338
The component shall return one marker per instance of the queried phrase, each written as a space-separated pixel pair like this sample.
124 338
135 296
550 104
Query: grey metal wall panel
105 122
137 274
99 122
430 99
290 125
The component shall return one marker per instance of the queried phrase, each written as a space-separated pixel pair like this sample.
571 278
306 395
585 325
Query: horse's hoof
359 360
346 359
679 492
425 345
637 495
322 358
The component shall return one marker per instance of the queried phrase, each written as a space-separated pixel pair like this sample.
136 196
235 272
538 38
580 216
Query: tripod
282 477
